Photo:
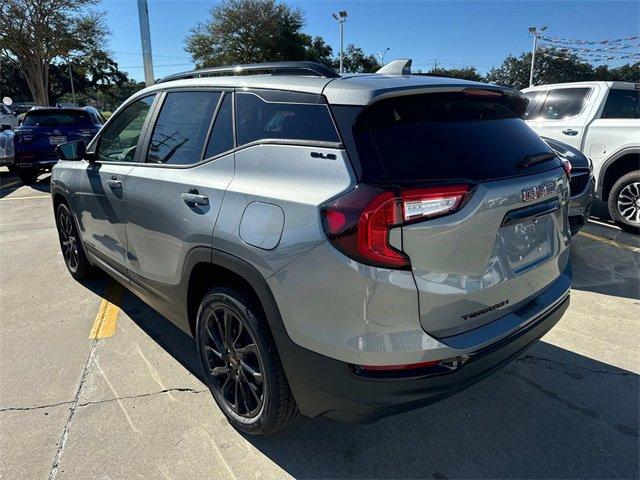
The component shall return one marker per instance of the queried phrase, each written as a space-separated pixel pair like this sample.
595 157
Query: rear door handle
191 199
570 131
114 183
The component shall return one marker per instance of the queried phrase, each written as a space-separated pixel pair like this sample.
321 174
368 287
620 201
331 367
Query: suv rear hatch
481 201
43 129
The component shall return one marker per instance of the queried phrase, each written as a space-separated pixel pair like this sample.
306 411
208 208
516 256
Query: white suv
601 119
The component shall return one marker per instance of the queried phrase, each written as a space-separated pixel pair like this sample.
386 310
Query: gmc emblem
532 193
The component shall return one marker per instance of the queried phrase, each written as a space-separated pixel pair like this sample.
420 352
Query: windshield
56 118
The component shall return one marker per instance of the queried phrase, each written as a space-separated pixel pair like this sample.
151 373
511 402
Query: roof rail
275 68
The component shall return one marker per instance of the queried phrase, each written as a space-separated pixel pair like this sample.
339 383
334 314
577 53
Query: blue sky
454 33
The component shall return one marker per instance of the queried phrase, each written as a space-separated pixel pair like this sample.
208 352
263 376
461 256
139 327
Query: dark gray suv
349 246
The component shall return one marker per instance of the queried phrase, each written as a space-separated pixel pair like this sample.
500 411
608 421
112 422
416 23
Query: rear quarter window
301 118
622 104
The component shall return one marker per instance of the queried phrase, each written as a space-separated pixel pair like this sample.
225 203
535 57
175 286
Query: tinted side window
535 98
257 119
119 139
181 129
622 104
564 103
222 134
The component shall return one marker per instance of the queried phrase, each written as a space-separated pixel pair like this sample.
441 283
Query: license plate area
528 242
57 139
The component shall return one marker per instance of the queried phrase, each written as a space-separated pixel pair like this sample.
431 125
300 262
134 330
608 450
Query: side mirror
5 127
76 150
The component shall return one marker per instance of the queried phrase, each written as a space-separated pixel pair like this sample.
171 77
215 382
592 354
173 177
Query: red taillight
566 164
389 368
358 223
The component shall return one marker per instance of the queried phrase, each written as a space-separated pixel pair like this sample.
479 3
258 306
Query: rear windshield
447 136
56 118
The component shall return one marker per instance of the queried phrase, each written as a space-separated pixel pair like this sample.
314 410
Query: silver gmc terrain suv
350 246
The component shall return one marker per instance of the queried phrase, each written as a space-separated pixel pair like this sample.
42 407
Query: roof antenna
396 67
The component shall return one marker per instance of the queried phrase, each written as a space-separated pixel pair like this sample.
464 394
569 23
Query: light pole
73 90
341 17
382 54
535 33
145 37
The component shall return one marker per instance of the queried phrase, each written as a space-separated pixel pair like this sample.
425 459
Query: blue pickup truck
43 128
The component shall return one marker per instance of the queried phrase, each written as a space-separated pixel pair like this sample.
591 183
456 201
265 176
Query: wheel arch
619 164
226 269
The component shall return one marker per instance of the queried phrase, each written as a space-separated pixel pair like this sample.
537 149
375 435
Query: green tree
356 61
36 32
465 73
626 73
248 31
319 51
555 68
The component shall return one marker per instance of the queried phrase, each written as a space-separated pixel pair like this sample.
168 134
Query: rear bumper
331 388
36 161
580 206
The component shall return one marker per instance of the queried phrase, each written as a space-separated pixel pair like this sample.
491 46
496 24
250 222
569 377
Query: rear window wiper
535 158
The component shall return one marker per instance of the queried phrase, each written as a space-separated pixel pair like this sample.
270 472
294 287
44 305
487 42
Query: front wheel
240 363
624 202
71 245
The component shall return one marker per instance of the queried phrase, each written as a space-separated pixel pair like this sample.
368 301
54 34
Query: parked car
8 116
602 120
42 129
348 246
6 147
582 183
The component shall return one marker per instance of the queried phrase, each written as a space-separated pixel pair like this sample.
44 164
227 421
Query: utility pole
73 90
535 32
382 54
341 17
145 37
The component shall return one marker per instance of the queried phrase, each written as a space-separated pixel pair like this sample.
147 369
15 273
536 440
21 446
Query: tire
28 176
624 202
71 245
240 363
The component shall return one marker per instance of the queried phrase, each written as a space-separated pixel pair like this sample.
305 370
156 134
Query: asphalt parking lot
131 405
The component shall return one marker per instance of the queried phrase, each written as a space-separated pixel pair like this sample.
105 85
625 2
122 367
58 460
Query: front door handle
570 131
114 183
192 198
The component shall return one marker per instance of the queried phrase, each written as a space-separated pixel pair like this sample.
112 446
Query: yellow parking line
609 241
105 323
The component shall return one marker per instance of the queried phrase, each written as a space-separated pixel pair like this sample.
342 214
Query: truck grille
579 182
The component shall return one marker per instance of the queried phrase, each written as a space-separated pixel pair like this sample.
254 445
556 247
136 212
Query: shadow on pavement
10 182
551 414
603 268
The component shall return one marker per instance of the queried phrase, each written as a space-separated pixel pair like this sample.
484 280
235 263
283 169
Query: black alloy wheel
234 364
68 240
71 244
240 362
